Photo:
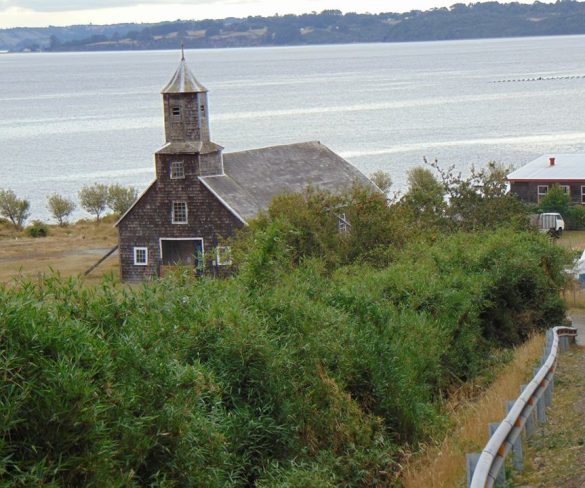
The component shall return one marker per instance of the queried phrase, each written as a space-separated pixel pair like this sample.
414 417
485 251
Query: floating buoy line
540 78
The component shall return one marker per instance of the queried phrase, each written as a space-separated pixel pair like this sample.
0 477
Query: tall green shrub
575 218
288 374
555 200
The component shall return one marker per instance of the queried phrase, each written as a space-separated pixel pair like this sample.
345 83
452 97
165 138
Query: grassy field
68 250
573 239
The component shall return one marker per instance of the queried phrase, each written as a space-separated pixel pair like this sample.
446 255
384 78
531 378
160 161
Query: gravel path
578 319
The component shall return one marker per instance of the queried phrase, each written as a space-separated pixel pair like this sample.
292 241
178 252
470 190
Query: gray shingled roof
252 178
183 81
567 167
189 147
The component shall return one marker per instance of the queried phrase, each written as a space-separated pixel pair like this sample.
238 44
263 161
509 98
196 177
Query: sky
39 13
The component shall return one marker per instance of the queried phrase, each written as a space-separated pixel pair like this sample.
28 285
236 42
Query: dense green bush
288 375
575 218
37 229
555 200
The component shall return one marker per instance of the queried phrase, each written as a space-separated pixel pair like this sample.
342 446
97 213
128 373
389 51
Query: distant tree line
94 199
460 21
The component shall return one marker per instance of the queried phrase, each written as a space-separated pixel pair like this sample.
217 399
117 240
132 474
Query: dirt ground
70 251
556 454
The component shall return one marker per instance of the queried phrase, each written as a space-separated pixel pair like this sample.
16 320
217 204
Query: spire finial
182 51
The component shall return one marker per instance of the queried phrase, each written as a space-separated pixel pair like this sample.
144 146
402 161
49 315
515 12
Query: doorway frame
161 239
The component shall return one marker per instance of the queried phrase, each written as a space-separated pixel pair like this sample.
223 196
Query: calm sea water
71 119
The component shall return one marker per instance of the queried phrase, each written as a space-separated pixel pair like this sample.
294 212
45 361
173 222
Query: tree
13 208
555 200
355 226
60 208
425 199
94 199
423 180
212 30
482 200
382 180
287 34
54 43
121 198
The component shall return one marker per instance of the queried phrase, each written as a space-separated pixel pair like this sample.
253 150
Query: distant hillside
40 38
460 21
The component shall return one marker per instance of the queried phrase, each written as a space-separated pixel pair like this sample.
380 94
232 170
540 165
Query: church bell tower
186 118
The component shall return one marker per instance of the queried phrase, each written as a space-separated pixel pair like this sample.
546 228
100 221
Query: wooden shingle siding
213 198
150 220
527 191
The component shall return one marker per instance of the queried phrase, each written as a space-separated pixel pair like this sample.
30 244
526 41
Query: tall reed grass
283 376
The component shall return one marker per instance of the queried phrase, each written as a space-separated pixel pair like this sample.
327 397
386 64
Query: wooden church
201 195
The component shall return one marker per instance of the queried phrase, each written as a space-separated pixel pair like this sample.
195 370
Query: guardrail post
471 460
501 476
552 383
548 343
529 425
548 391
517 450
489 468
541 409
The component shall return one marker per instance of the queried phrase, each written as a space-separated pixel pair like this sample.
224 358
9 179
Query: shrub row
280 377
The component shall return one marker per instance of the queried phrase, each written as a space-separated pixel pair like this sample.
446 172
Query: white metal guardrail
487 469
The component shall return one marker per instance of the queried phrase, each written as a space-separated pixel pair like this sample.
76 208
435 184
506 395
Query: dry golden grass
68 250
574 295
443 465
573 239
555 456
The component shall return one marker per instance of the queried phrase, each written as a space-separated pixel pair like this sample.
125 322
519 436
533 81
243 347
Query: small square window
542 190
176 111
203 109
177 170
566 189
223 256
179 212
140 256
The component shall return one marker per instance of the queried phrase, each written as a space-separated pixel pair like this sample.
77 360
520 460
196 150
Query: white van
552 223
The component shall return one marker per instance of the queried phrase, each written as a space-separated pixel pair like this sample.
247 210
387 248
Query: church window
223 256
179 212
342 223
202 109
177 170
176 111
140 256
